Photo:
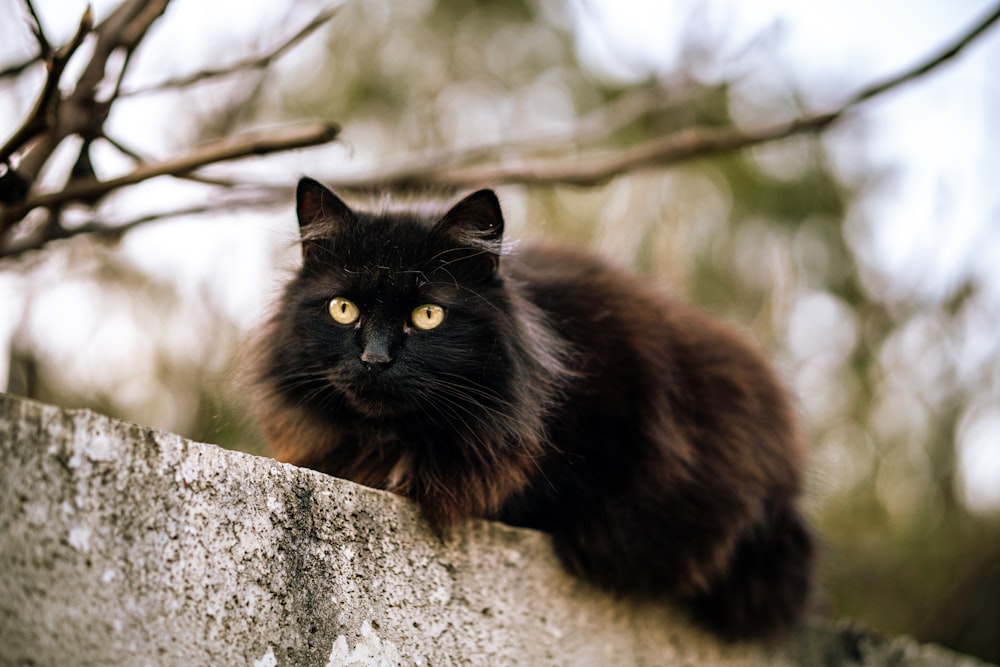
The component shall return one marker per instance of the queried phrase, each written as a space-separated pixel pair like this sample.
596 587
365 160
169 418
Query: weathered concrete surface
120 545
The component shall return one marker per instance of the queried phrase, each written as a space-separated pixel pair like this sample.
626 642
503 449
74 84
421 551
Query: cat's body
546 389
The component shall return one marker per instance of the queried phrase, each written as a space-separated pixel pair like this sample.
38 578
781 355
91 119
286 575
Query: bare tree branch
456 169
580 157
587 169
256 62
41 116
45 47
932 63
10 71
111 232
38 29
123 149
56 116
84 111
80 112
594 128
261 142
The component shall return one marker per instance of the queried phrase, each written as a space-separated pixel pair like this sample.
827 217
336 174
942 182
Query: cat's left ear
475 222
314 202
322 215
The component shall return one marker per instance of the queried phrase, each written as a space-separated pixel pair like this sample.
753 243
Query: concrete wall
120 545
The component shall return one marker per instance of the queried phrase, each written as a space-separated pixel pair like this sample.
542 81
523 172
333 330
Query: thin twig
37 29
588 169
261 142
598 166
124 29
80 112
255 62
594 128
123 149
15 69
931 63
113 232
40 117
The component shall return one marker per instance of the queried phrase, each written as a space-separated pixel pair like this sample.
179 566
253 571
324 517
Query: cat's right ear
321 214
476 221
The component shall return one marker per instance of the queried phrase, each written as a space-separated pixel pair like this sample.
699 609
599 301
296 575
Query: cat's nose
375 355
376 348
375 359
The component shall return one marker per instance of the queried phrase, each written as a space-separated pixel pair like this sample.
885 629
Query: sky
938 215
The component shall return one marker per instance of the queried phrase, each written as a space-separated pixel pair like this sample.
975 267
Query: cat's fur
654 444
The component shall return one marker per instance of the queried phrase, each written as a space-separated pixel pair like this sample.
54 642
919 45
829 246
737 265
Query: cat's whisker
472 389
490 447
459 395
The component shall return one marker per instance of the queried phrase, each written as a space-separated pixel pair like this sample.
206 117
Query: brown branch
255 62
15 69
37 29
931 63
123 149
40 118
113 232
598 166
261 142
487 164
124 29
594 128
588 169
79 112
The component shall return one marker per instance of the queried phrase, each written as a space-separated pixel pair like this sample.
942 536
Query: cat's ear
316 203
321 214
476 221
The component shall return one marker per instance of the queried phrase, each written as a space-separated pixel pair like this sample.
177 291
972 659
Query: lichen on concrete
122 545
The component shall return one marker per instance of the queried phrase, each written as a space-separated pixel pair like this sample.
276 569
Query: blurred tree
437 95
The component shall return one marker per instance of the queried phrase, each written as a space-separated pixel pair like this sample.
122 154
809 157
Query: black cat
546 389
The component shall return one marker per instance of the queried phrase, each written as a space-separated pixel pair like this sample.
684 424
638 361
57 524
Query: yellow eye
343 311
427 316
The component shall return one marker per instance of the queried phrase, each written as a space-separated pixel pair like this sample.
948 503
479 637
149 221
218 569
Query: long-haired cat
546 389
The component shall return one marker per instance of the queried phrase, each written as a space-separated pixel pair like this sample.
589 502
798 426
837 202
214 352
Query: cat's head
396 313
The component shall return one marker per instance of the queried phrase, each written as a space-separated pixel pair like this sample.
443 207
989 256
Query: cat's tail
766 590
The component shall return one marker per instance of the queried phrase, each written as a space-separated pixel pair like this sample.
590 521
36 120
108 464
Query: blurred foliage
132 345
774 239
